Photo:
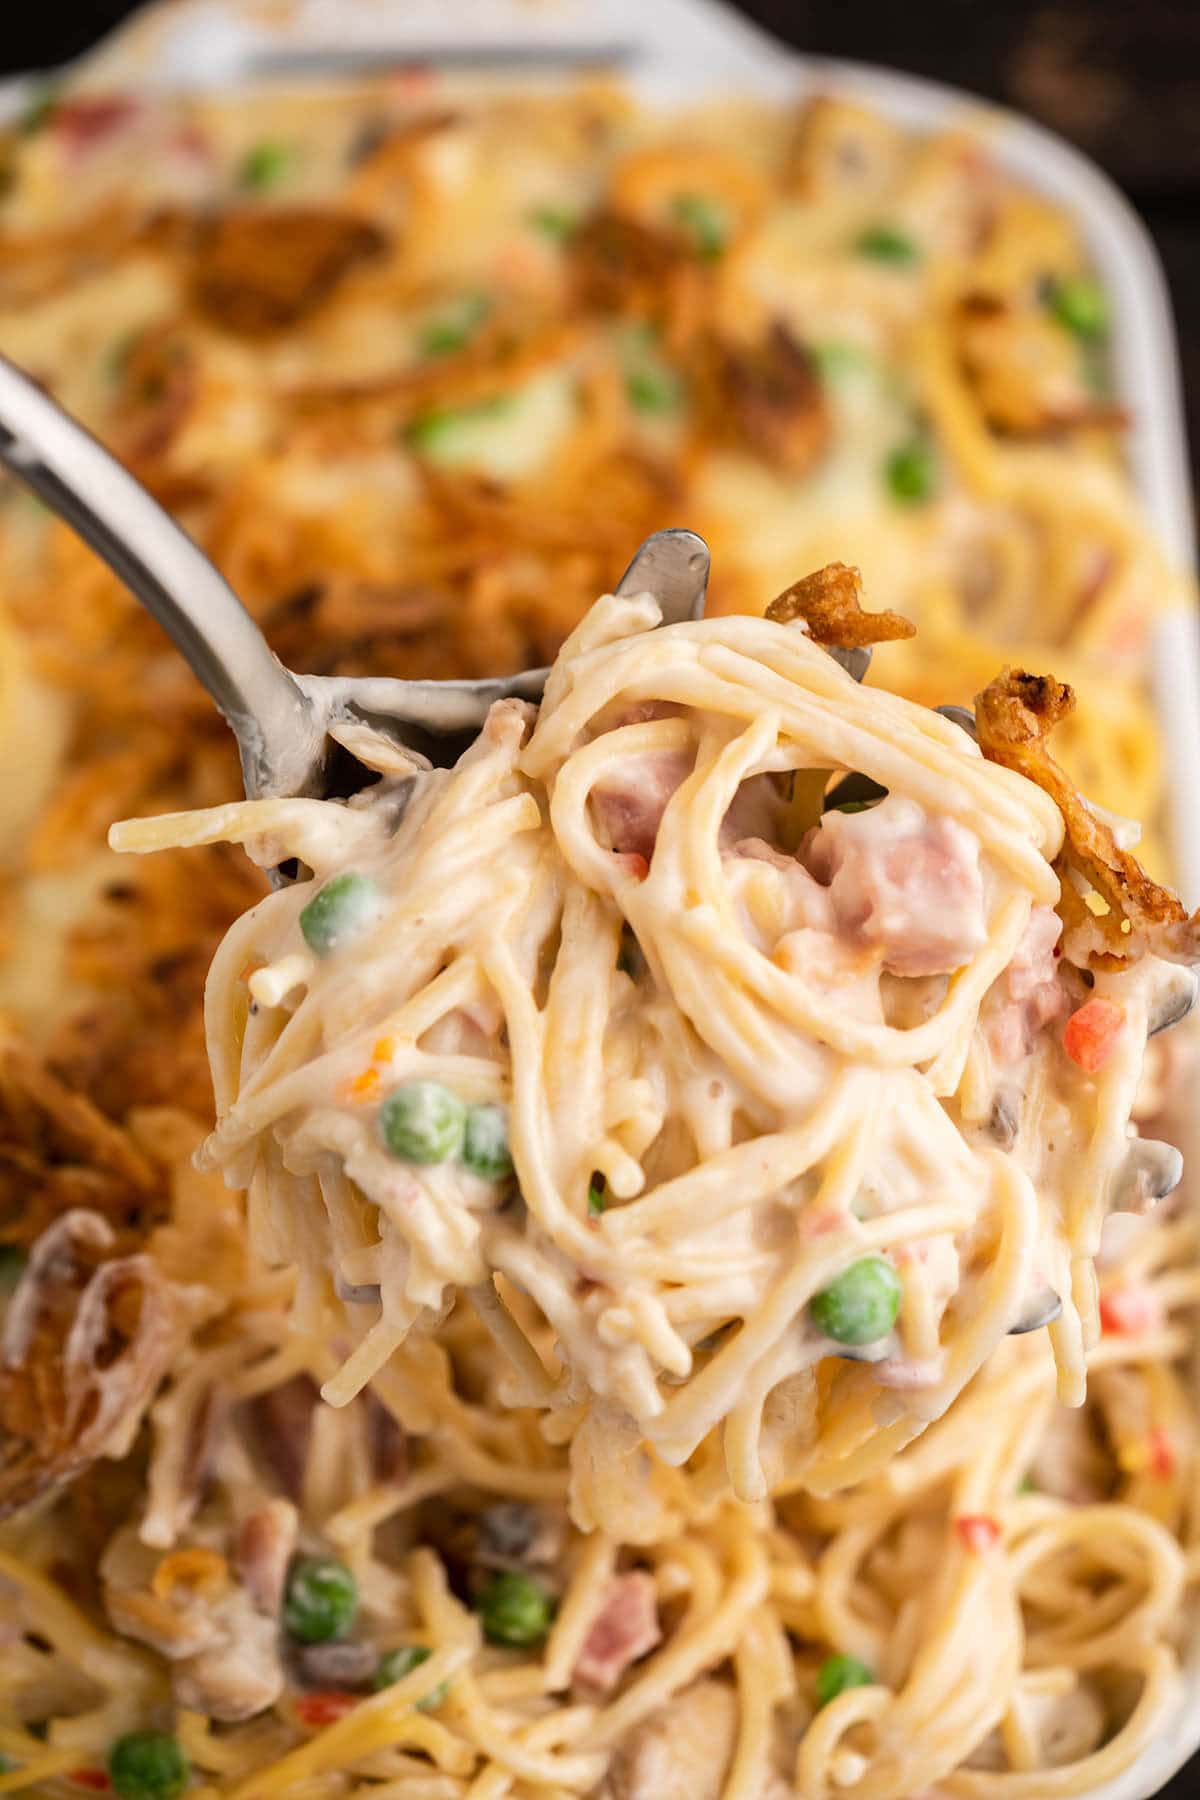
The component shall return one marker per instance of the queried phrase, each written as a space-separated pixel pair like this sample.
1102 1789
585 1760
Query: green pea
1079 303
557 223
861 1305
911 471
485 1147
452 328
338 912
836 360
148 1765
515 1610
264 166
438 431
12 1266
320 1601
399 1663
116 358
704 222
884 243
39 110
597 1199
423 1122
653 390
837 1673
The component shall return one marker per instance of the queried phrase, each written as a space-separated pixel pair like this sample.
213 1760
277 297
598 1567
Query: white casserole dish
675 51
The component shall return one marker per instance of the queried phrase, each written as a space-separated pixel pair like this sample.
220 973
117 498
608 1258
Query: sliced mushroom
349 1665
1151 1170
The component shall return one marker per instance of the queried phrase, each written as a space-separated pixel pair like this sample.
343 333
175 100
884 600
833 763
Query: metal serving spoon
286 724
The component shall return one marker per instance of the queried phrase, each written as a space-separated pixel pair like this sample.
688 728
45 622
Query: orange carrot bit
977 1532
1161 1458
362 1087
1090 1034
384 1049
321 1709
196 1571
90 1778
1127 1311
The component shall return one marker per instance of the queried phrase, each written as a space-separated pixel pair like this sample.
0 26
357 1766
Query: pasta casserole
418 365
721 1071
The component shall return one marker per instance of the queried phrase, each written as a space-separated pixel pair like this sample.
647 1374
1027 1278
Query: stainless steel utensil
284 722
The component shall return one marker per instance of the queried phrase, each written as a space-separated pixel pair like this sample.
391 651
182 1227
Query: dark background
1120 78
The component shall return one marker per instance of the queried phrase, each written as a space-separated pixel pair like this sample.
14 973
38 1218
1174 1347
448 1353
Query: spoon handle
79 480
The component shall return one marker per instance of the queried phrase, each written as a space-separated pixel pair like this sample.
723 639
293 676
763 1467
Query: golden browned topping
830 603
1014 717
257 272
58 1152
88 1336
1026 370
624 266
768 397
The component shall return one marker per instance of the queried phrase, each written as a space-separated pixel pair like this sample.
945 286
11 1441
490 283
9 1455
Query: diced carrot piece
1091 1033
321 1709
977 1532
90 1778
362 1086
1127 1311
1161 1460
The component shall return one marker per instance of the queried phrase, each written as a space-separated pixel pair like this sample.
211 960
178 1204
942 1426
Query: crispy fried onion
258 271
830 603
765 396
87 1338
1014 716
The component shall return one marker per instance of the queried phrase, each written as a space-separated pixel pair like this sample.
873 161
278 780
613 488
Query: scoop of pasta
697 1077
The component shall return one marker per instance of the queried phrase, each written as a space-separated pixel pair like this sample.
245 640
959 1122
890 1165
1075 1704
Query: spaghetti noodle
775 1075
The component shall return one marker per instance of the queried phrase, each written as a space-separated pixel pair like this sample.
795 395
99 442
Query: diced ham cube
1029 995
629 808
264 1548
907 885
88 119
625 1628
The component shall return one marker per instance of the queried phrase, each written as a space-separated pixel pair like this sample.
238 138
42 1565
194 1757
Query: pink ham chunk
625 1628
629 807
904 884
265 1544
1029 995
